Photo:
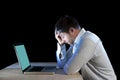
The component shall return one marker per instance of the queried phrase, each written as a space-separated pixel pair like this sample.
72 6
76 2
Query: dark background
33 25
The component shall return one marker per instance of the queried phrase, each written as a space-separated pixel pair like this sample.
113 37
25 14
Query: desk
13 72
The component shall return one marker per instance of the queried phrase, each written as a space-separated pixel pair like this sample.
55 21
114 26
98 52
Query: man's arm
83 52
61 55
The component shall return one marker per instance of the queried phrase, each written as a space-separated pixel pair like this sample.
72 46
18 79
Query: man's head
66 29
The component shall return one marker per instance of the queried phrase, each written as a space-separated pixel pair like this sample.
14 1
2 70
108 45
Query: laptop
25 65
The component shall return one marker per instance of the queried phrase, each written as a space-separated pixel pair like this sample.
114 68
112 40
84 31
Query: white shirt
88 55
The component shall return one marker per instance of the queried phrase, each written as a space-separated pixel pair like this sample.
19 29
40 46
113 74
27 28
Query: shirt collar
82 31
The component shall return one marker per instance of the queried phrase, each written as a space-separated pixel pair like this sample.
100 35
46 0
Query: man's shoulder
92 36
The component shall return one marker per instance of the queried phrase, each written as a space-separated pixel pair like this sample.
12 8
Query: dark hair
66 22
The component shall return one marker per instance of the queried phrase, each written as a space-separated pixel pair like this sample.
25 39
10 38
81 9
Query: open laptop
25 65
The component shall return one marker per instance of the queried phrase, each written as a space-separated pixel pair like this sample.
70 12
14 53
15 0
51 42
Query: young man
86 52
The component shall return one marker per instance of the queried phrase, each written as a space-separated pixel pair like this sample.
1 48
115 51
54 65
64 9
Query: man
86 52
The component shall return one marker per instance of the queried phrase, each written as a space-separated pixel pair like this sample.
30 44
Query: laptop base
46 70
39 73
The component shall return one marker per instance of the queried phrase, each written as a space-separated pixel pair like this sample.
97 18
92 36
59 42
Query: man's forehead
57 32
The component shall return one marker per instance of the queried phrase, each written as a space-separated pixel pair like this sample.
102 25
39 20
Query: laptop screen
22 56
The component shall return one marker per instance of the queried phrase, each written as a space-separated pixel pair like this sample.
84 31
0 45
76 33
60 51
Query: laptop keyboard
36 68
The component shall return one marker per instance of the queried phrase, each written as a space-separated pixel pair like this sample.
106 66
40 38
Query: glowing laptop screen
22 56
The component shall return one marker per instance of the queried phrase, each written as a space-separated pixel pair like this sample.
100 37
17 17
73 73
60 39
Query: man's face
64 37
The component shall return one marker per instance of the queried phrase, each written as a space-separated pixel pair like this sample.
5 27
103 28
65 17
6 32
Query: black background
33 24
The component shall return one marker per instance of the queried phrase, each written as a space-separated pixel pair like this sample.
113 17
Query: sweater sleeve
82 53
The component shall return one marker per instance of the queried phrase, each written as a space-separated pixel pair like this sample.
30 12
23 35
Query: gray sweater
88 55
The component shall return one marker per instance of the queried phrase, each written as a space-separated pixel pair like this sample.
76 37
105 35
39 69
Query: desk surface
13 72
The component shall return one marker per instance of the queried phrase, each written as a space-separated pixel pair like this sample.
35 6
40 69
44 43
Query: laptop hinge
27 69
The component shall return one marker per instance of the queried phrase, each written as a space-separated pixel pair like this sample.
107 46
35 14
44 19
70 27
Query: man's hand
58 37
61 51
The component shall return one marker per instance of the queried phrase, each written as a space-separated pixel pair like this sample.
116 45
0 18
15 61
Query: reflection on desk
13 72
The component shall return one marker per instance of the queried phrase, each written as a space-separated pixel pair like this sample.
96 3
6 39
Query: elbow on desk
69 71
